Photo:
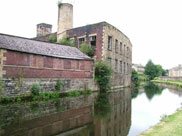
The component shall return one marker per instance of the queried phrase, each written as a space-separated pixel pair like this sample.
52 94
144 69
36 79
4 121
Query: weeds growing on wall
58 85
86 49
35 90
103 74
66 41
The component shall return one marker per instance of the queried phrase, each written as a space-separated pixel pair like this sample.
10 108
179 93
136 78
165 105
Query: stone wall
15 87
120 51
169 78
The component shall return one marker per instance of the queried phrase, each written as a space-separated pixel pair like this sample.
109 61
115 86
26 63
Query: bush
52 38
58 85
135 78
66 41
35 89
86 49
102 74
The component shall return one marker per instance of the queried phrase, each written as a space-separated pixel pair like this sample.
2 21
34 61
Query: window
124 50
127 68
121 48
92 40
124 67
116 65
127 52
116 46
109 42
121 67
109 60
81 40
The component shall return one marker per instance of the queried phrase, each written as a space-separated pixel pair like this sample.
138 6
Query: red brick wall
88 30
37 66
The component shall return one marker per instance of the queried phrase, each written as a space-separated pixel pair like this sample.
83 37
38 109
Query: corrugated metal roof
41 48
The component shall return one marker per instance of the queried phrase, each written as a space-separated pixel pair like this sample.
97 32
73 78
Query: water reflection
152 89
117 120
78 116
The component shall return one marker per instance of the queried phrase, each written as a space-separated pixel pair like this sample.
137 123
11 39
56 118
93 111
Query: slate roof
41 48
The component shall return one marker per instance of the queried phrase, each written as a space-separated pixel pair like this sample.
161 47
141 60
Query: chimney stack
43 29
65 19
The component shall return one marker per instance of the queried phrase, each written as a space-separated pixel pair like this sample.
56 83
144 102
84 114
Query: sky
154 27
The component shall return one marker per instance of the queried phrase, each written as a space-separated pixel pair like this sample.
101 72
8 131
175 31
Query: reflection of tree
102 105
152 89
134 93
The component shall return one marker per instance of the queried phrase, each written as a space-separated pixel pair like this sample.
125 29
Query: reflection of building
119 120
139 68
69 115
176 71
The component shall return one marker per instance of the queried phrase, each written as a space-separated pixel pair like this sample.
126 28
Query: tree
135 78
153 70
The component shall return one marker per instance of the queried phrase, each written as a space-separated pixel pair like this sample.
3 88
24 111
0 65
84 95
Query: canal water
119 113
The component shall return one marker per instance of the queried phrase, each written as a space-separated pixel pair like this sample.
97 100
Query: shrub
66 41
58 85
86 49
35 89
135 78
52 38
102 74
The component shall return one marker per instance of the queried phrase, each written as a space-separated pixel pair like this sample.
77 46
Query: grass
169 126
177 83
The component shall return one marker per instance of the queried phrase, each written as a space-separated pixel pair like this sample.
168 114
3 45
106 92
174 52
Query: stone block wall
120 52
14 87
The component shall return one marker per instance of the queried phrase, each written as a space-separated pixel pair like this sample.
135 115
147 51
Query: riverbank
177 83
169 126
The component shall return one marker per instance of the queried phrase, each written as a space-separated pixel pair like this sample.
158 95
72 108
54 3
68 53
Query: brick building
38 59
110 43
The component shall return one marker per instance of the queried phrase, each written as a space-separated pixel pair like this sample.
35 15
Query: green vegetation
152 70
59 4
135 79
1 84
43 96
143 77
52 38
152 89
169 126
35 89
66 41
177 83
58 85
102 106
103 74
86 49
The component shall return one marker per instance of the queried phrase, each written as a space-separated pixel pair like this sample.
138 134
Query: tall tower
43 29
65 19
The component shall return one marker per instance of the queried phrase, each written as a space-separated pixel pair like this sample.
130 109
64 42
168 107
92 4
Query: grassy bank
177 83
169 126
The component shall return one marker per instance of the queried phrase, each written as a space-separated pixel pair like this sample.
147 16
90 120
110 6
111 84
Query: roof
40 48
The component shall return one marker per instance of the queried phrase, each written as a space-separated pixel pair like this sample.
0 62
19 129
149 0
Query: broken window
116 46
109 60
81 40
92 40
109 42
